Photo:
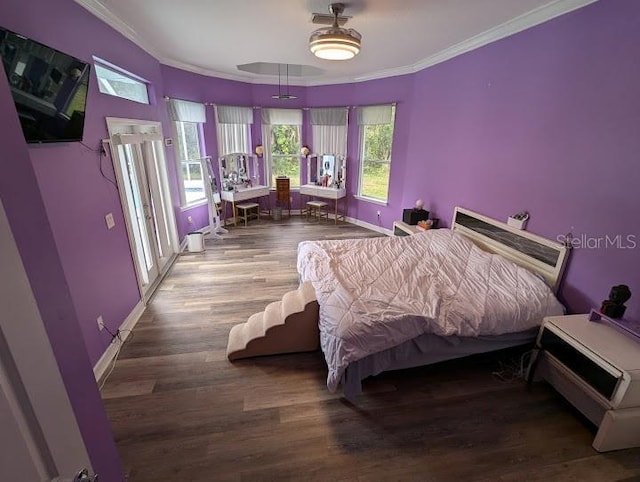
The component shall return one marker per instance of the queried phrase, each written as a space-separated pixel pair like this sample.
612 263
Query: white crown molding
103 13
216 73
525 21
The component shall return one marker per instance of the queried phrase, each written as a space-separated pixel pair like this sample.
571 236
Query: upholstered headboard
540 255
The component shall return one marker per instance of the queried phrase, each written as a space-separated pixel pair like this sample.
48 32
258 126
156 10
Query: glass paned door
139 211
141 170
156 170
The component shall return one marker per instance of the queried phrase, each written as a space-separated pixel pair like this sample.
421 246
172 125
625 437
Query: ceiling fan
334 42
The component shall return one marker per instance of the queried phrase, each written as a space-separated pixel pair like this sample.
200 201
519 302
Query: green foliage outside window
285 153
375 180
376 161
286 166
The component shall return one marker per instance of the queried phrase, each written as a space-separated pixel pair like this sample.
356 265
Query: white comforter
379 292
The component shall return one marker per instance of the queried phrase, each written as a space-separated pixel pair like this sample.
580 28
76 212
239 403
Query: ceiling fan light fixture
335 42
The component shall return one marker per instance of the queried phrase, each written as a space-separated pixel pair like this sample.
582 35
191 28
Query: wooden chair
283 193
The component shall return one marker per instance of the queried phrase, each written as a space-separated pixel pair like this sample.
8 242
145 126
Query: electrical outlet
100 323
190 219
378 213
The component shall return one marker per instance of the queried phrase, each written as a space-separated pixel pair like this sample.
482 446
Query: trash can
195 242
277 213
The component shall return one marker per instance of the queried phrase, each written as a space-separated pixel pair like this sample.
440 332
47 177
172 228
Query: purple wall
393 89
97 261
199 88
548 121
32 229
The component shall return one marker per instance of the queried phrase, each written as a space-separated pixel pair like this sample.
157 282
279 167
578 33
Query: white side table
400 228
597 369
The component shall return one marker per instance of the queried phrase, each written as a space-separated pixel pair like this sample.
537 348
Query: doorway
140 167
39 435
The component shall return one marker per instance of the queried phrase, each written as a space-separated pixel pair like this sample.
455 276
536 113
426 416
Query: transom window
118 82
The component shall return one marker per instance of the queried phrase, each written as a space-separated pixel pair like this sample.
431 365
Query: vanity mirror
238 170
327 170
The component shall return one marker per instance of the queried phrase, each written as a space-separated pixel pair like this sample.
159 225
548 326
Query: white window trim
268 156
184 205
371 200
358 194
98 62
192 206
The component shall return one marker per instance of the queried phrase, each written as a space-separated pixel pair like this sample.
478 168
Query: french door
139 162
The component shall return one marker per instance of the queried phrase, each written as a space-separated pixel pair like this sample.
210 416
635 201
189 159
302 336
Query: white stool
317 210
249 211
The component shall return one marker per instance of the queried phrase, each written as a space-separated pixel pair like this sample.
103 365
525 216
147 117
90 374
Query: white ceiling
398 36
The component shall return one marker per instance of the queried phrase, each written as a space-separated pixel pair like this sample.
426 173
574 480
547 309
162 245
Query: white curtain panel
230 114
328 116
267 144
233 138
329 130
329 139
281 116
185 111
374 114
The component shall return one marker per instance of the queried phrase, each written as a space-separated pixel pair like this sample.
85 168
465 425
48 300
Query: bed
392 303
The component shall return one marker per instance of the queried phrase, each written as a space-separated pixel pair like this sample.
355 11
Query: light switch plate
110 222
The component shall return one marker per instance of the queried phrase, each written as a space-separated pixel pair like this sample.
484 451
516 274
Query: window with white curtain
233 126
281 142
188 118
329 130
376 140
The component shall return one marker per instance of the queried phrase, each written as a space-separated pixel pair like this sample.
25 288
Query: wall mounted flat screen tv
49 88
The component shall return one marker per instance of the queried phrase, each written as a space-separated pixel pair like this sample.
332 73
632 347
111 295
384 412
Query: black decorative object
412 216
614 306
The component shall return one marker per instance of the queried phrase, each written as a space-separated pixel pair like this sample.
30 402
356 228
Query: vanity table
326 178
240 179
242 194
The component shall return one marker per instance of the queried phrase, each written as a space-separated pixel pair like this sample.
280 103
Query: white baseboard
372 227
105 360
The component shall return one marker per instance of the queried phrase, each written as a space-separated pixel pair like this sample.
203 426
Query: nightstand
597 369
400 228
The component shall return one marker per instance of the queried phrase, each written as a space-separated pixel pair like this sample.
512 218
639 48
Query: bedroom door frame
140 167
40 435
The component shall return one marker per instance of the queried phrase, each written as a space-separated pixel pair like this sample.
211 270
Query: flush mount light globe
335 42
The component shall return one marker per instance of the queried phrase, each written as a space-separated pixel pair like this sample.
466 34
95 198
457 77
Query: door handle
83 476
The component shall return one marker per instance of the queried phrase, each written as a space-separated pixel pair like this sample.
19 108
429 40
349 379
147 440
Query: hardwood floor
181 412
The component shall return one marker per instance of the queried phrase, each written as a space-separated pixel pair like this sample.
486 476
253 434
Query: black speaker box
412 216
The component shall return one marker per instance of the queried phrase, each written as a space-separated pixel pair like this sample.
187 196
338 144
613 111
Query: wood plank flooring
181 412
